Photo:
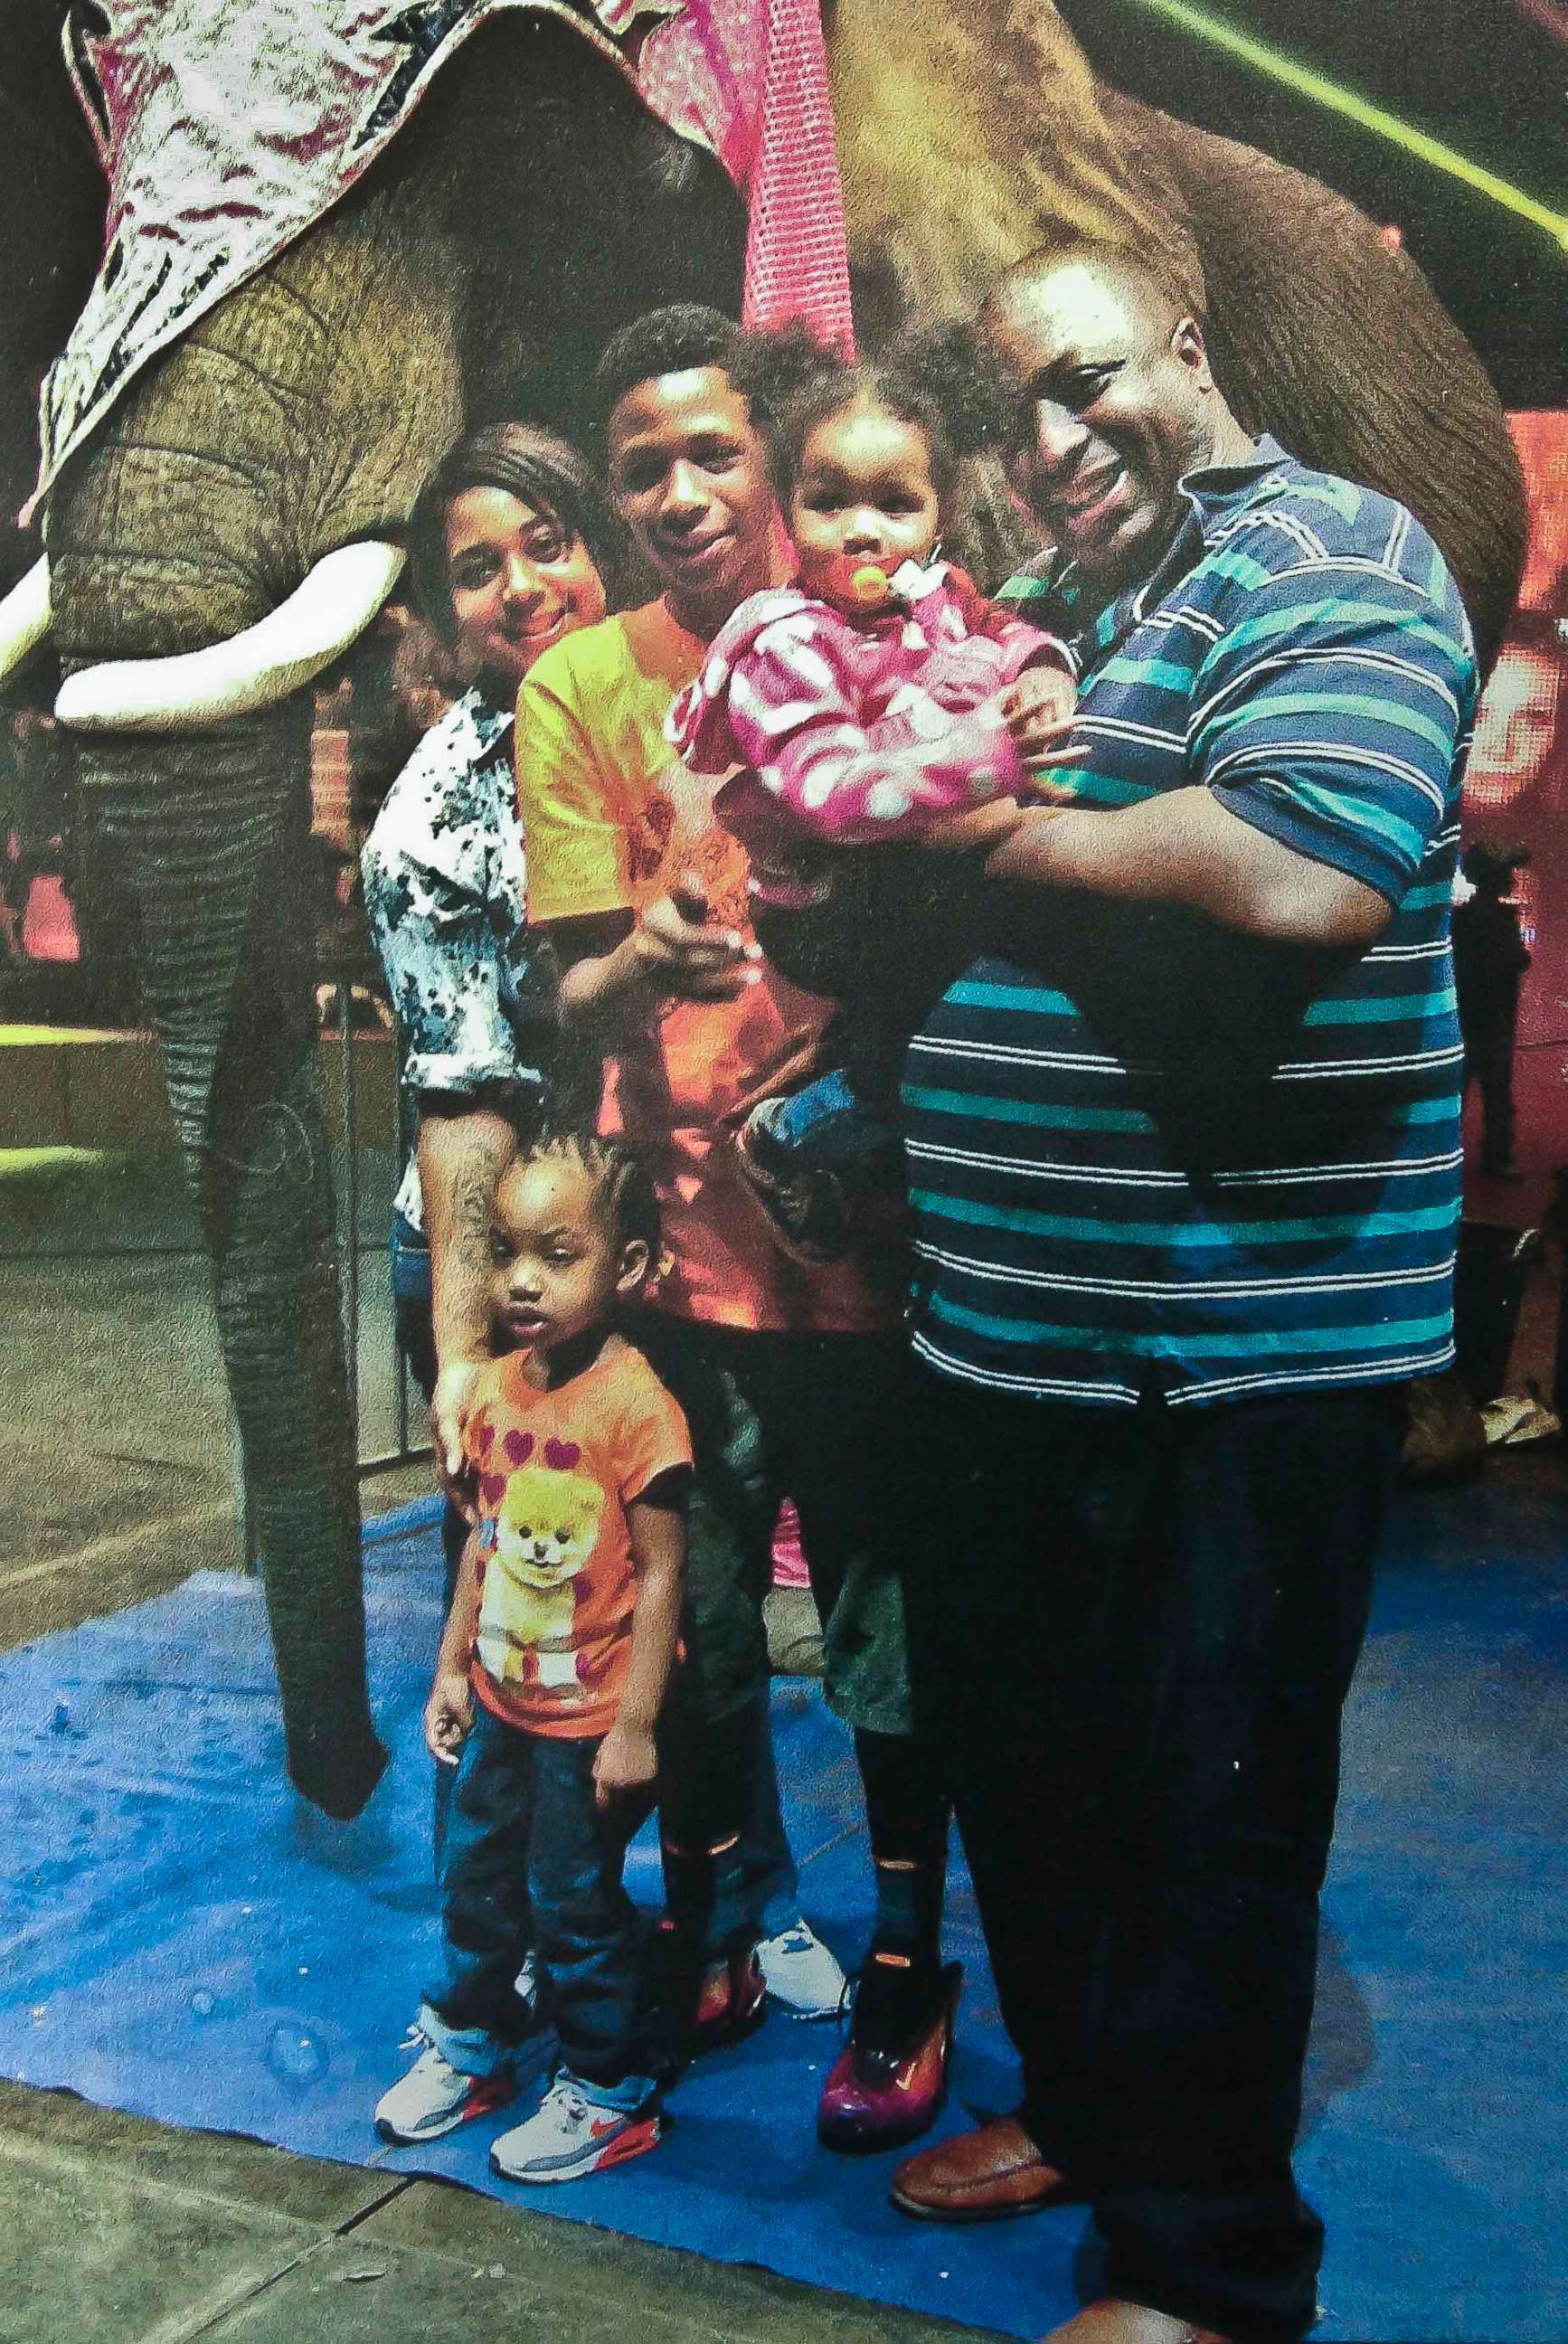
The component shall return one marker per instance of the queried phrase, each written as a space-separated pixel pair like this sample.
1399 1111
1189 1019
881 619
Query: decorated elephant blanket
226 128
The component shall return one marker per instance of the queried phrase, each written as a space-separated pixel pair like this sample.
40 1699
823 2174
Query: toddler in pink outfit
877 701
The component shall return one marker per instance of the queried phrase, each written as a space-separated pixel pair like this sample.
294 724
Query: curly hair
670 340
543 471
937 378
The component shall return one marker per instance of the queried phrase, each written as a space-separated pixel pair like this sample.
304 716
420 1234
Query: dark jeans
804 1416
416 1342
529 1862
830 1127
1132 1631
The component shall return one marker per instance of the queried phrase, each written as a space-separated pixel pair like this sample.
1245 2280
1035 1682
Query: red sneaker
891 2078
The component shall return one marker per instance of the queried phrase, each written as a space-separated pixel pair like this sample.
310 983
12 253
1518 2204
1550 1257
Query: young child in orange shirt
550 1679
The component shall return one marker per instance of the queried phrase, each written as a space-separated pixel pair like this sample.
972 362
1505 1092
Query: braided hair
623 1181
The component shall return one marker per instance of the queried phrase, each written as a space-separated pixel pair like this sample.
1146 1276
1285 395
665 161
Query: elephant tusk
333 603
24 618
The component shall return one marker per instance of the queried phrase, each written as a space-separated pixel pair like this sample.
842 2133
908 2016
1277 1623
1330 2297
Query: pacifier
857 583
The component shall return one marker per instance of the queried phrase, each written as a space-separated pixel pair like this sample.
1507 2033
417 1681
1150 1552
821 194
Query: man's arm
1187 849
1321 732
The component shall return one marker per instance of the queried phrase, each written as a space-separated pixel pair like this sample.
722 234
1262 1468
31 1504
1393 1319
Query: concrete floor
118 2231
114 2230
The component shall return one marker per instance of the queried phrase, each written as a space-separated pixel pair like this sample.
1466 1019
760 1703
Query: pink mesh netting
749 78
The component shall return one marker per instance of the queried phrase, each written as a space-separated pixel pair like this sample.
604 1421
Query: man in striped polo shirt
1183 1156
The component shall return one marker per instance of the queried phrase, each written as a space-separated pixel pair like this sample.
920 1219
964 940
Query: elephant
249 484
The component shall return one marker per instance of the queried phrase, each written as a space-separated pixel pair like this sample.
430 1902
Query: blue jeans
417 1342
529 1861
830 1126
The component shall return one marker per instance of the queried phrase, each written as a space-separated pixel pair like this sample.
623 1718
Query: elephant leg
303 412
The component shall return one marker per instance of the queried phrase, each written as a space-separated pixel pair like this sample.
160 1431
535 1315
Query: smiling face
1116 403
556 1265
519 581
863 494
689 471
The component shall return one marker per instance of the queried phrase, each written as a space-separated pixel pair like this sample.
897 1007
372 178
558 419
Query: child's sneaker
433 2099
801 1974
808 1217
569 2136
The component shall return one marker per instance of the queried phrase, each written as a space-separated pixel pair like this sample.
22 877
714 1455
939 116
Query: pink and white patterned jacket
855 730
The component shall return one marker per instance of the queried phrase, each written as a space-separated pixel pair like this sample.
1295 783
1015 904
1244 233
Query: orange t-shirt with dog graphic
556 1473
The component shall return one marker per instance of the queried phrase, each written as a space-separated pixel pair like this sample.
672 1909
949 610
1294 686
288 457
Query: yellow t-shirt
610 818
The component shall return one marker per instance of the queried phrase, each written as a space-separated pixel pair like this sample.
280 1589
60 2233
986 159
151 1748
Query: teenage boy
783 1371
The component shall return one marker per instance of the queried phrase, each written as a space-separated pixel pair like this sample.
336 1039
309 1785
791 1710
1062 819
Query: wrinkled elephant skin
518 220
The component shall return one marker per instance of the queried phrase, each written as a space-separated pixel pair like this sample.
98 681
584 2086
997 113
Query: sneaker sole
635 2141
958 2216
482 2104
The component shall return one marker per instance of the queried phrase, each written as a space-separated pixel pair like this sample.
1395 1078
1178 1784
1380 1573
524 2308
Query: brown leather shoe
1110 2320
983 2175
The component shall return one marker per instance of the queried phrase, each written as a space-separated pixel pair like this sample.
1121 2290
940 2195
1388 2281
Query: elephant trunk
208 840
300 417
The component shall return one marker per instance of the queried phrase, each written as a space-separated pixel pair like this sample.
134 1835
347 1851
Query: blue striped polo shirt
1167 1158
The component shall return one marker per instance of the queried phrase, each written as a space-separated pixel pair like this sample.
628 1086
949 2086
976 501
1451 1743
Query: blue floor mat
198 1946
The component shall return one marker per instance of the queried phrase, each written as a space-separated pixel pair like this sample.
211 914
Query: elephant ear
52 198
1323 336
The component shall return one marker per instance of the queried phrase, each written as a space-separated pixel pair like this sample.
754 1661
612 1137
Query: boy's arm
628 1758
618 963
449 1712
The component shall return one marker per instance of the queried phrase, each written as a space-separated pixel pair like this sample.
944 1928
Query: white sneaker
567 2137
800 1972
433 2099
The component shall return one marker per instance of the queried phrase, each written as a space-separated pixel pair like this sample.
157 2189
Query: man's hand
672 950
1038 710
627 1761
976 831
448 1714
450 1404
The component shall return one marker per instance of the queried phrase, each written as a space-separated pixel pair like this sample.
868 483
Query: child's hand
974 831
627 1761
448 1713
1037 710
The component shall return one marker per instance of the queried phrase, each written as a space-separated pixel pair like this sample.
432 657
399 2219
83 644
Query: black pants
1489 1046
1131 1634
